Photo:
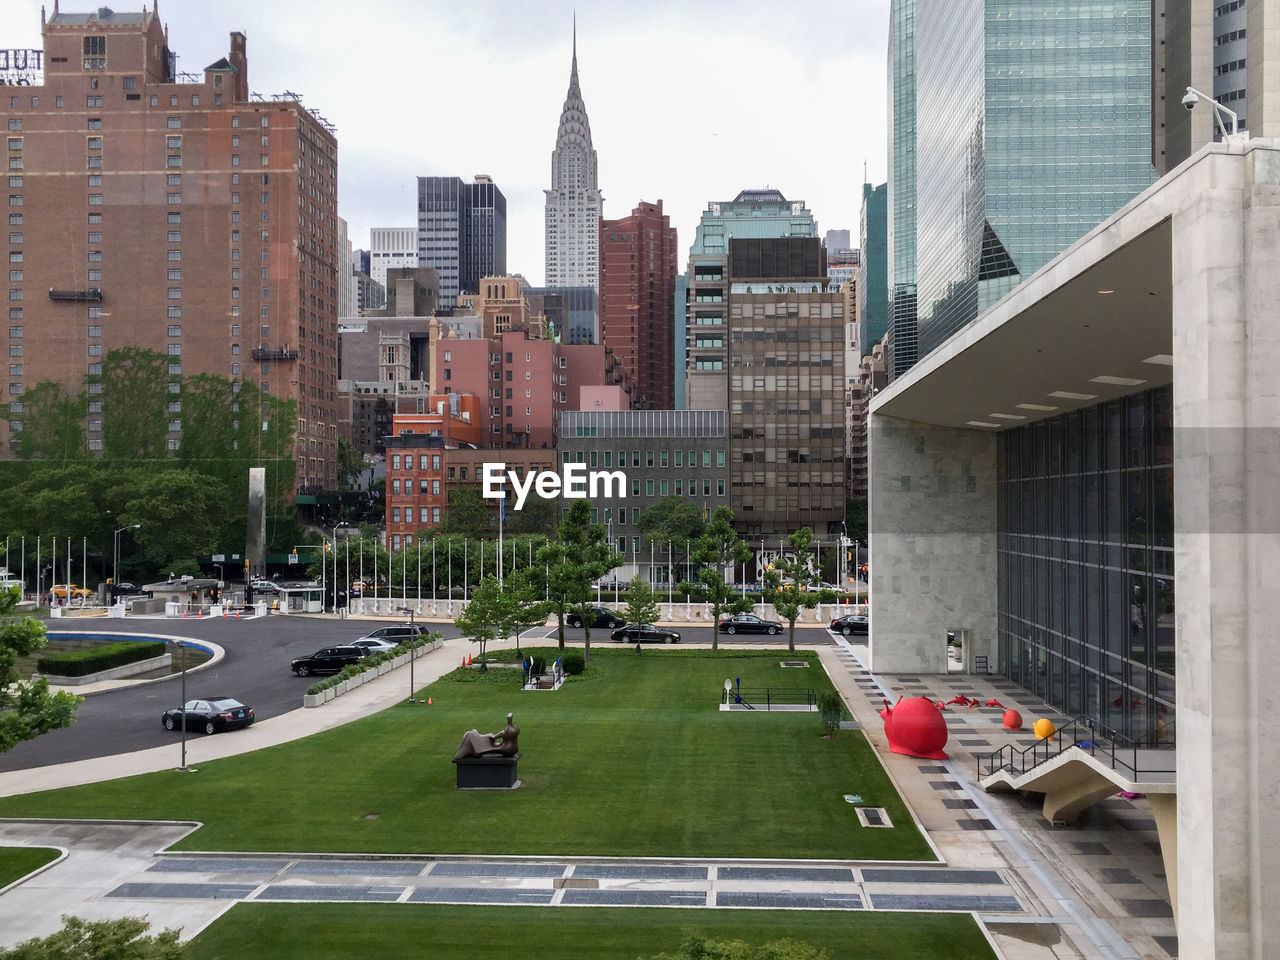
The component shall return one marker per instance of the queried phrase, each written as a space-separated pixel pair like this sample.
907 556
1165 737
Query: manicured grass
633 758
17 862
395 931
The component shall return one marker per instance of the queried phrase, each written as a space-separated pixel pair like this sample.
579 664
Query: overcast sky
689 100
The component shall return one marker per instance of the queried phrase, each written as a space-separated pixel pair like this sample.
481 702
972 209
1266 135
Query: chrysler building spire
574 202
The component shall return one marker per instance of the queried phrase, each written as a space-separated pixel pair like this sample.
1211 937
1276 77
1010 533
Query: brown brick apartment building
637 301
147 209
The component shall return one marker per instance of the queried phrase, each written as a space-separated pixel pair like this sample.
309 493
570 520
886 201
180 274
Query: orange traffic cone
468 659
428 701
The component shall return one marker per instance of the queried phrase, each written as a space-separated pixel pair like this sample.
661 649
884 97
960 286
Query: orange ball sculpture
1012 720
1043 728
915 728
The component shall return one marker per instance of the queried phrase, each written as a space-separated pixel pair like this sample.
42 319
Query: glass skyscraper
1031 124
901 201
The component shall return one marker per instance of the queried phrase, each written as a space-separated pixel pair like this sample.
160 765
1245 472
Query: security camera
1190 99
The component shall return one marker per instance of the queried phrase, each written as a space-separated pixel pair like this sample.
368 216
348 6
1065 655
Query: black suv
328 660
600 617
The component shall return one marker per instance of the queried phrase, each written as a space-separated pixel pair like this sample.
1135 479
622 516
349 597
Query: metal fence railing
768 698
1135 758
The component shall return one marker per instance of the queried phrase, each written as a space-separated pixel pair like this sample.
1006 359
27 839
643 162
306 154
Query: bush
539 665
831 707
80 663
573 662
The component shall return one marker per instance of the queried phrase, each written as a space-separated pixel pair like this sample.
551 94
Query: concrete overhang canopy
1094 324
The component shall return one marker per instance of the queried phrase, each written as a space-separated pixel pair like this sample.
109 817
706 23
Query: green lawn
395 931
632 758
17 862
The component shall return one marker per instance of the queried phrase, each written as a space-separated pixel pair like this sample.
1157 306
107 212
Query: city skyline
503 71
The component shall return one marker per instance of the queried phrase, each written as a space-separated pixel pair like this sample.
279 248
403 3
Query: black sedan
854 623
328 660
211 715
600 617
749 623
641 632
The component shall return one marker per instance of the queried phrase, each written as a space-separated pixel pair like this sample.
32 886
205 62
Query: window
95 236
175 143
95 274
174 161
95 256
95 330
95 179
174 256
95 199
175 426
648 488
174 180
15 123
172 198
95 369
175 330
174 236
15 332
95 143
175 274
175 293
95 349
175 350
395 461
174 123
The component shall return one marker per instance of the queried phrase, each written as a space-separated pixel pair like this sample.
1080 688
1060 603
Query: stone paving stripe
959 803
1147 908
816 874
1128 823
908 875
944 785
978 823
924 901
812 901
1168 944
974 743
932 768
1090 848
355 868
216 866
638 872
635 898
544 870
183 891
480 895
330 892
1118 875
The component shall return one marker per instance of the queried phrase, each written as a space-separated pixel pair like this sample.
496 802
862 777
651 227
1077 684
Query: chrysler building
574 201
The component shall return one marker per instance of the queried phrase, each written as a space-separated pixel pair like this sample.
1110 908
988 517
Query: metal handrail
769 696
1020 761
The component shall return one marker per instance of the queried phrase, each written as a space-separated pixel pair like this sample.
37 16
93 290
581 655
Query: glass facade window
1086 606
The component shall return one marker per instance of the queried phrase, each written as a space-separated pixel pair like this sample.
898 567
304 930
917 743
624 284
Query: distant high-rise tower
574 201
637 300
462 232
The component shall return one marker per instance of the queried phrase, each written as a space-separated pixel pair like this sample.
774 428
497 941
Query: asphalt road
254 671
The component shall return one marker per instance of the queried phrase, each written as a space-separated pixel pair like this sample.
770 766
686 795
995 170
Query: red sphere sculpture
1012 720
915 728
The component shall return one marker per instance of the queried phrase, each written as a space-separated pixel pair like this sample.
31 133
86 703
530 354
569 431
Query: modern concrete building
1047 481
662 453
574 203
346 276
391 248
185 216
637 299
757 214
462 232
1024 131
786 388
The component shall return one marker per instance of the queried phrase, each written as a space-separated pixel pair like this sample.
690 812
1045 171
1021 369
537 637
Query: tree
696 948
855 514
786 582
590 556
27 707
468 514
52 424
135 397
351 465
717 548
672 520
537 517
526 606
123 939
486 615
642 601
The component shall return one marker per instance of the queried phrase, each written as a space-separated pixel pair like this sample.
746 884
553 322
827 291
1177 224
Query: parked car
328 660
375 644
359 588
854 623
749 623
400 633
126 589
61 591
211 715
640 632
600 617
269 586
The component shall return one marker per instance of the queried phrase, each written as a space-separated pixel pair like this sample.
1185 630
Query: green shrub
539 665
80 663
831 707
317 687
573 662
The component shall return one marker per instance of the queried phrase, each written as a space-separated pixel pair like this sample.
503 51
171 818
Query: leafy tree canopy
27 707
123 939
697 948
673 520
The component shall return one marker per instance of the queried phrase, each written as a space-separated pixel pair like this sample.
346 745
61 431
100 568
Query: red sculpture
1012 720
995 703
915 728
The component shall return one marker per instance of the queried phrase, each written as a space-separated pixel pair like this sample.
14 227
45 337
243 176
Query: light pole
115 551
413 638
183 768
323 548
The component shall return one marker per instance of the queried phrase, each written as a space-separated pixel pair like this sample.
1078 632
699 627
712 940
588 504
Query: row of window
660 458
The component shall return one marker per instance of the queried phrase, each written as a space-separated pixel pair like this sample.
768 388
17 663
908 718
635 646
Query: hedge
362 665
80 663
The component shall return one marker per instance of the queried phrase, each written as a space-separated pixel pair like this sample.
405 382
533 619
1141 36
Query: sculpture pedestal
493 772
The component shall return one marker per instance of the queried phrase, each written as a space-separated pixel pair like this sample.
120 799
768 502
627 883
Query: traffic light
326 546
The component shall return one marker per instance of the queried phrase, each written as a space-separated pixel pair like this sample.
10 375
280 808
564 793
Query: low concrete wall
115 673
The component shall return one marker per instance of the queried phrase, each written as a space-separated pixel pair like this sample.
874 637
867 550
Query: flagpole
502 513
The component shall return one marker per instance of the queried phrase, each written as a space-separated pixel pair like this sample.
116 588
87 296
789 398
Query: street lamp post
413 638
115 552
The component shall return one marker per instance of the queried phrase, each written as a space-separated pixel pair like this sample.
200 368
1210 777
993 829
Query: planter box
313 699
329 694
